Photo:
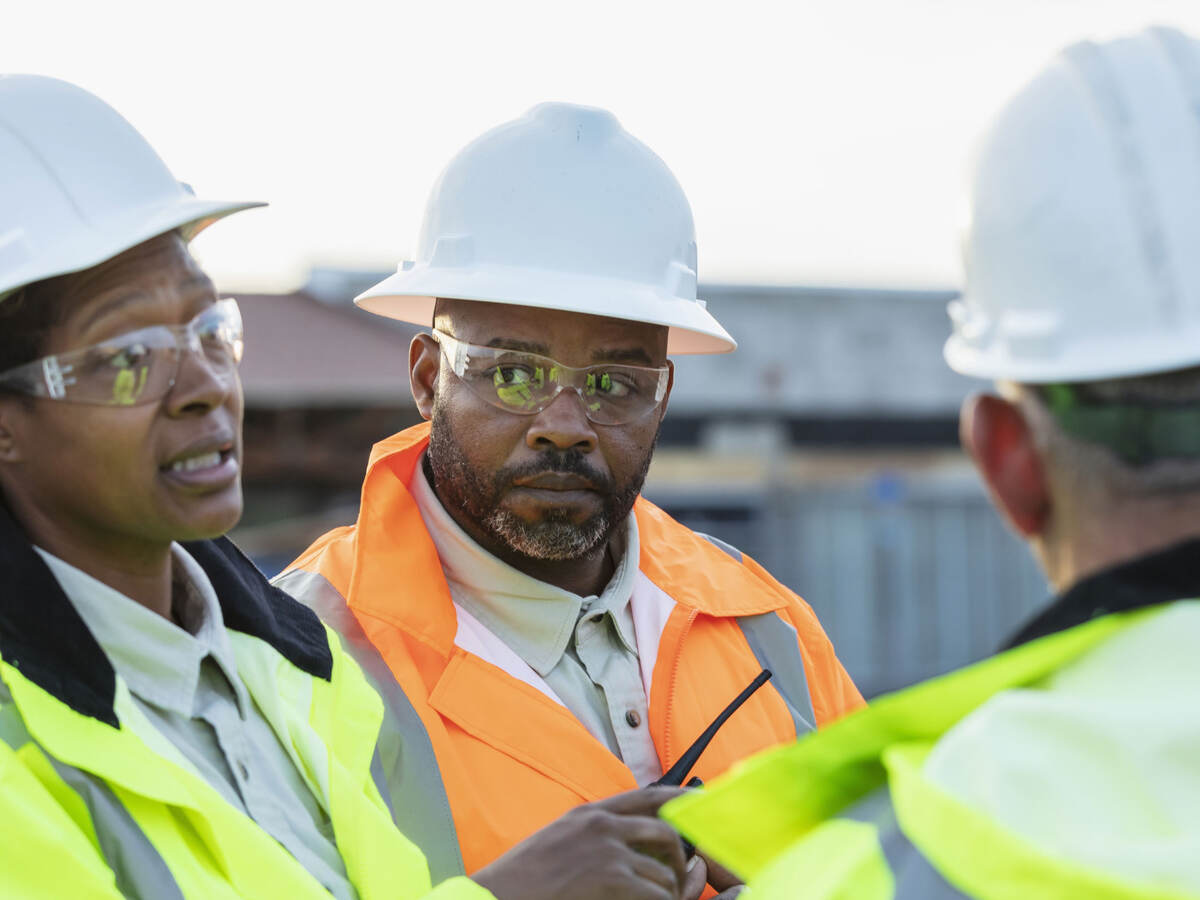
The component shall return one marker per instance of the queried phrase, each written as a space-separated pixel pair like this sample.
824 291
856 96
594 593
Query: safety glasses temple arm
661 390
454 350
39 378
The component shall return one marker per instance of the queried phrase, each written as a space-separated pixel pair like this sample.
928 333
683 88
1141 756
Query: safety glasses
136 367
526 383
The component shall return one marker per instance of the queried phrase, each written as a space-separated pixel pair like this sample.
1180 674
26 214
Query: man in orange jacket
543 636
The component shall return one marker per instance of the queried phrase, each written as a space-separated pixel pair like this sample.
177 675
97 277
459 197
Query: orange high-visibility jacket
482 753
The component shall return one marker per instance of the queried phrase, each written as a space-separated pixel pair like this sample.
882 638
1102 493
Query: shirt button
632 717
245 773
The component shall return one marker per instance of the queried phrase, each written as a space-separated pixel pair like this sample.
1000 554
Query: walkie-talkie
675 775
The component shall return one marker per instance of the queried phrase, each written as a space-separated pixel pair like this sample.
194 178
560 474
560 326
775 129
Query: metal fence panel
908 583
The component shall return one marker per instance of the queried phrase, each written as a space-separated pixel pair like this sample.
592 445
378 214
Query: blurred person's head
1083 304
120 407
557 264
1091 473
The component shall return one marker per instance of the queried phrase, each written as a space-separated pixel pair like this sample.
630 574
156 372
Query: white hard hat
1083 254
78 185
560 209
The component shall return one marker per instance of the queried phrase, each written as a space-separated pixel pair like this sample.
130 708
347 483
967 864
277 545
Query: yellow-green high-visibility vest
92 803
849 813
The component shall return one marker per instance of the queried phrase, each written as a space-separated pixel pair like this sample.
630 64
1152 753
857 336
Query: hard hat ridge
561 209
79 185
1086 209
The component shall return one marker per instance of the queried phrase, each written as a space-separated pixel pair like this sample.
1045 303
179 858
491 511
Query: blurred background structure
819 143
826 447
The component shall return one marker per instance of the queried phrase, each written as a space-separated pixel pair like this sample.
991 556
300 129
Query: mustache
567 462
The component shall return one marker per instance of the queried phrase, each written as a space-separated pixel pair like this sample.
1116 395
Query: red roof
301 352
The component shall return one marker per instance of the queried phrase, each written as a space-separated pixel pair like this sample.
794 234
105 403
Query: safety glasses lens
527 384
140 366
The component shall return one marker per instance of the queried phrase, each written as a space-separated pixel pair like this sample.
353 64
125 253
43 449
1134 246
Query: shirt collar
43 635
618 592
157 659
1169 574
532 617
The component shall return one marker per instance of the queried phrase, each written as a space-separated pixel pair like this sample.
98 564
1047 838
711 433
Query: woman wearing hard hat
171 725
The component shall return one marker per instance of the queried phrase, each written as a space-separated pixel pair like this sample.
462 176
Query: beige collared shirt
584 647
185 682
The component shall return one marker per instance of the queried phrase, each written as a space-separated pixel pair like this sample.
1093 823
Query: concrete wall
823 351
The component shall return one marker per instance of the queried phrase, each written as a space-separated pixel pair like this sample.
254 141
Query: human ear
10 443
995 434
10 431
424 362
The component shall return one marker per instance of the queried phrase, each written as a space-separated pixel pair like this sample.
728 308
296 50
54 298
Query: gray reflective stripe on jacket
12 726
915 877
777 647
405 767
138 869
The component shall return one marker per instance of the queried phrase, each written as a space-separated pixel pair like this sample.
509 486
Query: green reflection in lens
518 393
127 387
515 395
603 383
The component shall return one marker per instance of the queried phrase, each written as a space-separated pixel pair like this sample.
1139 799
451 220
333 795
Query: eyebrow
519 346
196 284
629 355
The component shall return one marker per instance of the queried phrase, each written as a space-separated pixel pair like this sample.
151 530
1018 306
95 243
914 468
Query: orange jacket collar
390 527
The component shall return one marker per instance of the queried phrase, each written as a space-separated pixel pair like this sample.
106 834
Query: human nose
562 425
200 385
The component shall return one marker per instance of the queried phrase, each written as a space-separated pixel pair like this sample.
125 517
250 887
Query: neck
1086 542
141 572
584 577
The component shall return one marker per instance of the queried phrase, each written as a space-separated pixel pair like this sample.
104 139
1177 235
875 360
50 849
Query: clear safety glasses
525 383
138 366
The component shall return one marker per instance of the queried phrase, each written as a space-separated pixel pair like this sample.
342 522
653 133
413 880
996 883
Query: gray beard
548 539
477 498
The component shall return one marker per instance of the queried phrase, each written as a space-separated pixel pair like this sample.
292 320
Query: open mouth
204 465
203 461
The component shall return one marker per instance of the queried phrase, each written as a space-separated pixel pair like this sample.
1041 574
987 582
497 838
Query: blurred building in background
826 447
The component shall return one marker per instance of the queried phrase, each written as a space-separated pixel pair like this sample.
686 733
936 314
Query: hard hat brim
87 248
409 295
1096 359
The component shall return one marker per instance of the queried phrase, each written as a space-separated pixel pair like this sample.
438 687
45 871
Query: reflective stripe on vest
12 726
822 808
138 869
776 646
405 767
915 877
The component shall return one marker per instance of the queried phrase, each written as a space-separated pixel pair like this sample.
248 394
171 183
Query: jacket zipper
669 735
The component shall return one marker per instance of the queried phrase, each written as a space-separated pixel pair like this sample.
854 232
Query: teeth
192 463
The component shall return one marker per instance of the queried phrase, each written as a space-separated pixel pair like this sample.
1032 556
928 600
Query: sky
818 142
